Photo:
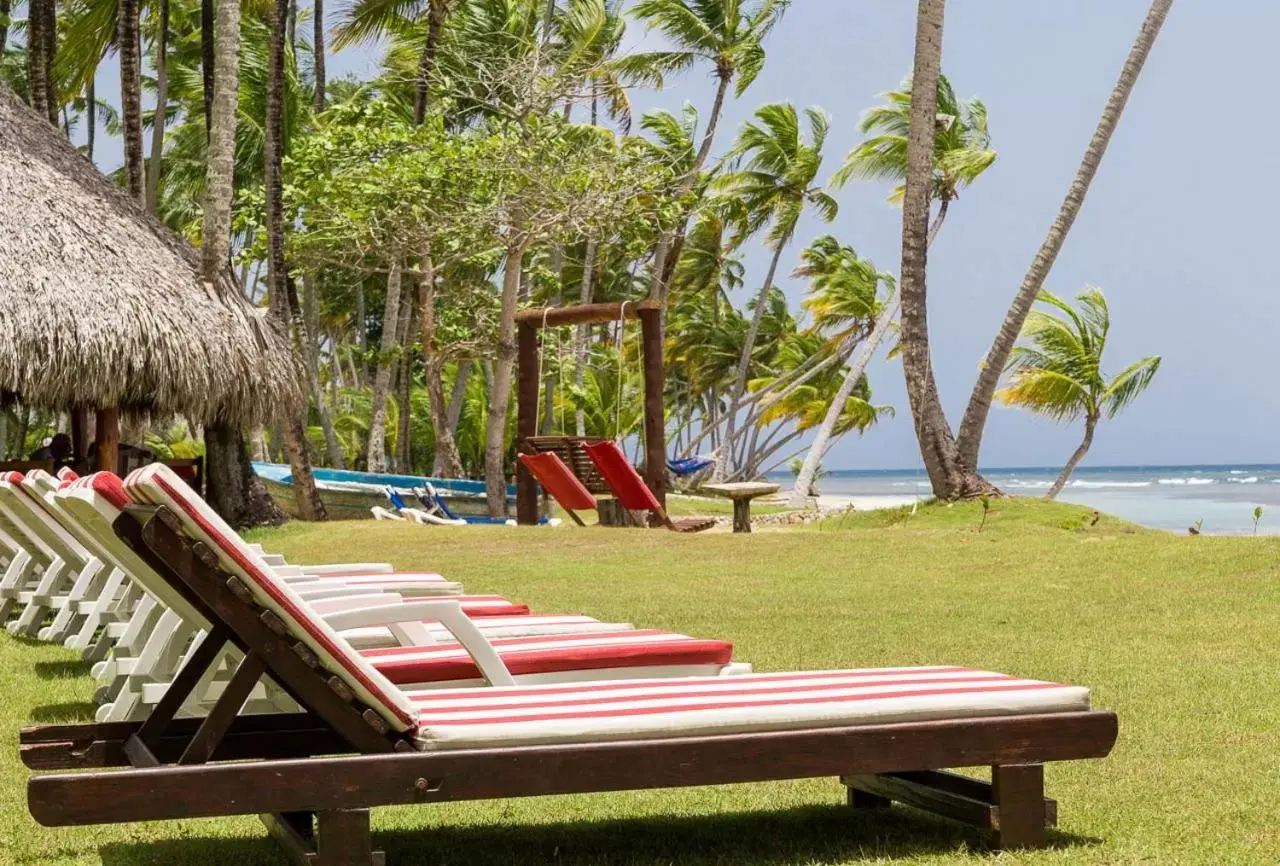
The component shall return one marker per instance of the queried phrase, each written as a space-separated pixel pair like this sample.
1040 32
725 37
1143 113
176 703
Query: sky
1177 234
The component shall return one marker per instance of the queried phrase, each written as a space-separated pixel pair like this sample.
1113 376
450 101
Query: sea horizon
1216 498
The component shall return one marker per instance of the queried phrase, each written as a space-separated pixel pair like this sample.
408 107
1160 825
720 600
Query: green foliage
174 443
961 148
1059 374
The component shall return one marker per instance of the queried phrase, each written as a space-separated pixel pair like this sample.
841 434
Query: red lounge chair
556 478
632 492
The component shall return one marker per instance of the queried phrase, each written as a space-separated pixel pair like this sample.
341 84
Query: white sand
866 503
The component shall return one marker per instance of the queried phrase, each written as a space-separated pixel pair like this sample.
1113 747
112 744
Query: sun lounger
886 733
539 648
553 657
632 493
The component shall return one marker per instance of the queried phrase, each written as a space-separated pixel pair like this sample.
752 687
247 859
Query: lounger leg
859 799
1020 815
336 838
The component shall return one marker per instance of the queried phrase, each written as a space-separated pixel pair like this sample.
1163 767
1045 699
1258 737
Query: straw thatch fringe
101 305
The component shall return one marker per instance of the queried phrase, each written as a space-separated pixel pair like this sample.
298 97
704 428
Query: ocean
1221 499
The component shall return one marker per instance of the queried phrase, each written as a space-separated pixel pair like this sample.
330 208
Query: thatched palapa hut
102 307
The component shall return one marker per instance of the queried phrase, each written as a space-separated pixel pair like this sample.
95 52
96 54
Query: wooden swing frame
529 324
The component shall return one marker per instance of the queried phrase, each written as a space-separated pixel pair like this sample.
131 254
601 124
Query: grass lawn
1180 636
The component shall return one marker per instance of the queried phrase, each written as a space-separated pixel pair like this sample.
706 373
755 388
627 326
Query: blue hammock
686 466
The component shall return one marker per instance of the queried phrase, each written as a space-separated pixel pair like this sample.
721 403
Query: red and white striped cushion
159 485
490 605
658 708
547 654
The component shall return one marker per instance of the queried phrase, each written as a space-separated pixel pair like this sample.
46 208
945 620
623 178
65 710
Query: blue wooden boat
348 495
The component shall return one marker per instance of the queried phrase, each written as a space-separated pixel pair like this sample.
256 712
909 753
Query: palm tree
729 34
845 287
234 491
772 188
1059 375
937 442
283 307
369 20
961 146
975 416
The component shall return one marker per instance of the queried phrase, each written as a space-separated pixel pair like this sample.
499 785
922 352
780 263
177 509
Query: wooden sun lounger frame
296 770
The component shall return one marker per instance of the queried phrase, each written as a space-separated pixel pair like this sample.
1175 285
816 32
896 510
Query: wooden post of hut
108 439
79 435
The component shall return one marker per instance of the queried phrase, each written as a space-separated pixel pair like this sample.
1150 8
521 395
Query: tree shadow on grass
69 711
755 838
61 670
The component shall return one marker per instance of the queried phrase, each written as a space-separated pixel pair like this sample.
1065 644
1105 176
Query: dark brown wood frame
317 807
528 325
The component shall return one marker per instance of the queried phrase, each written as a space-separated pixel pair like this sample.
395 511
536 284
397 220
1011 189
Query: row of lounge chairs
233 683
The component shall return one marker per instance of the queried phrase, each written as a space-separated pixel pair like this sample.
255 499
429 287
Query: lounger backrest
29 491
633 494
159 485
93 503
556 479
17 514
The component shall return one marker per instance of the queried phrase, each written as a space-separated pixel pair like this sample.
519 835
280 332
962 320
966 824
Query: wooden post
526 420
108 439
79 434
1018 792
655 419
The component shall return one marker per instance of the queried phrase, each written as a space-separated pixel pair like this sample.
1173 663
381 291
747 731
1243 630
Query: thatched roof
101 305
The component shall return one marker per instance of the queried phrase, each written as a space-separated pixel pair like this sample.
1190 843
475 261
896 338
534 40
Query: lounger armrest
347 568
314 592
447 613
328 606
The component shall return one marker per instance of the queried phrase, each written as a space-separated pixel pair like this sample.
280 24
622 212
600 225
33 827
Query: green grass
1177 635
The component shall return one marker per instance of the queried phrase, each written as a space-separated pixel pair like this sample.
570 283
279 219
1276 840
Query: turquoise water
1165 497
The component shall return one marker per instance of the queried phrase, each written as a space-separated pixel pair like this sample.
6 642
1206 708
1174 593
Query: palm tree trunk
975 416
317 50
495 438
283 305
311 316
215 248
90 112
748 347
382 376
208 53
1090 424
293 27
162 99
49 32
128 39
5 7
233 490
937 444
459 395
37 69
404 428
362 335
818 449
713 121
437 12
448 463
